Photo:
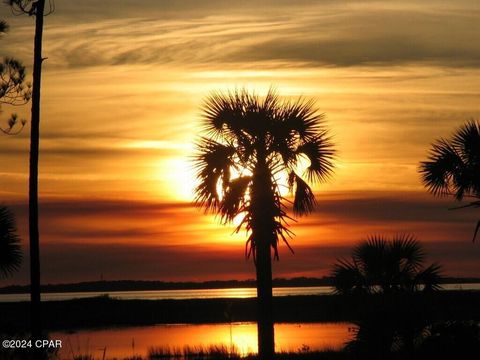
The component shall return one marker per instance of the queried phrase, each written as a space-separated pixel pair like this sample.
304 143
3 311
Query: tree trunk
36 327
263 232
266 342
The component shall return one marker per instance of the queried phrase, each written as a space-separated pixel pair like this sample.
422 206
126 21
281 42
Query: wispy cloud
309 33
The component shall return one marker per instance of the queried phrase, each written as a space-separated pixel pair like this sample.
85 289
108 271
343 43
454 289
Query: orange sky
122 89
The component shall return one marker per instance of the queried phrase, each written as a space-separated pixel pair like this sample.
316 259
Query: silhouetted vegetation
379 265
451 340
104 311
137 285
220 352
249 143
194 352
453 166
10 261
13 88
409 318
34 8
10 250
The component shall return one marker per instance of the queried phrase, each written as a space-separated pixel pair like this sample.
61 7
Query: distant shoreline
139 285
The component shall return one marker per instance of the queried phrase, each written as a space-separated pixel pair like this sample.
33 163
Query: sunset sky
121 95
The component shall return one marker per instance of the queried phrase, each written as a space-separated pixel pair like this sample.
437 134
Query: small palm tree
249 144
453 166
393 270
379 265
10 251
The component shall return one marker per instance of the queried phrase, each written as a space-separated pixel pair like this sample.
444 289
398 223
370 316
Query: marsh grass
223 352
83 357
91 357
212 352
178 354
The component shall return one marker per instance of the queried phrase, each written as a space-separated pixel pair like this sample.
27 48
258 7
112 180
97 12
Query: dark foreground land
136 285
105 312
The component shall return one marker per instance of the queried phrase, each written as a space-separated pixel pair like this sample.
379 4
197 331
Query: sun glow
156 145
281 178
177 178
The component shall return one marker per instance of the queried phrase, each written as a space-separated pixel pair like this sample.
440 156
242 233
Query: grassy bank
106 312
224 352
220 352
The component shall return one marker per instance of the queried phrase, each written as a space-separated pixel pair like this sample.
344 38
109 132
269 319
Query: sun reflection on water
132 341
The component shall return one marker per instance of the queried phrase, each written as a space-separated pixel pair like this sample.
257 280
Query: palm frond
10 250
389 265
218 111
452 166
476 231
407 251
321 153
293 122
467 141
370 256
238 115
304 199
347 278
430 278
282 230
301 118
281 224
231 204
438 172
212 164
251 248
258 115
283 146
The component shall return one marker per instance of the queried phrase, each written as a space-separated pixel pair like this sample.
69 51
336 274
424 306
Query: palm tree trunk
36 327
263 231
265 329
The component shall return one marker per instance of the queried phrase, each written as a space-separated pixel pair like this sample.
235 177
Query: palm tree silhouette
391 275
453 166
249 144
10 251
382 266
